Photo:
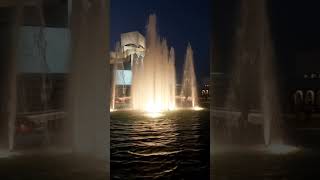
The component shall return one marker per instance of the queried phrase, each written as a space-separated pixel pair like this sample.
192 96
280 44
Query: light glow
154 114
197 108
281 149
154 110
153 78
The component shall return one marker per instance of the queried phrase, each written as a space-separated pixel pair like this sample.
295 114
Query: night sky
179 22
295 29
296 32
296 23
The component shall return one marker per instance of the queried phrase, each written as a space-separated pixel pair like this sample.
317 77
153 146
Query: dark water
300 165
51 166
175 146
252 160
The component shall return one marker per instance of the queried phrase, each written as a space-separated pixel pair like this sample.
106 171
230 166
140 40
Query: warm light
153 108
154 114
112 110
197 108
172 107
281 149
154 79
158 107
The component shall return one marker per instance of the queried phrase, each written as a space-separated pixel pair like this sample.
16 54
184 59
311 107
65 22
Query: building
129 50
42 71
298 87
205 89
37 48
303 90
41 58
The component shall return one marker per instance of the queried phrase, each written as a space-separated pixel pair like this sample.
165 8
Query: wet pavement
32 165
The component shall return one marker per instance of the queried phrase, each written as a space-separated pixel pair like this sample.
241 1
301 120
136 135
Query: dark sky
178 21
295 30
296 23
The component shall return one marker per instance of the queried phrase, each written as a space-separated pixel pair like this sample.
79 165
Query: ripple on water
154 154
168 146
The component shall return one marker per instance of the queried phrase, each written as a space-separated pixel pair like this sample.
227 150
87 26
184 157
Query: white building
129 50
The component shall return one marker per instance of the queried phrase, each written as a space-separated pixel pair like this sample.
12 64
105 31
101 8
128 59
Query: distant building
299 91
43 57
129 50
304 84
205 89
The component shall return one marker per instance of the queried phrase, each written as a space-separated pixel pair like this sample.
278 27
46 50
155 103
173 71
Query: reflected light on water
143 144
197 108
154 114
281 149
156 110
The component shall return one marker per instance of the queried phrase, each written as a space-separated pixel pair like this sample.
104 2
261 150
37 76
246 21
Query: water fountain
172 81
270 104
153 81
254 82
154 114
113 88
189 83
118 80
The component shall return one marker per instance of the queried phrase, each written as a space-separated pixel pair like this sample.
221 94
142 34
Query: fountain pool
255 163
160 147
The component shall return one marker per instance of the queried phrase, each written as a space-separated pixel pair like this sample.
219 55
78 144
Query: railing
44 115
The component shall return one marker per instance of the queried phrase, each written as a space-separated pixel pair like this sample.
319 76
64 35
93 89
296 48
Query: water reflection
154 114
168 146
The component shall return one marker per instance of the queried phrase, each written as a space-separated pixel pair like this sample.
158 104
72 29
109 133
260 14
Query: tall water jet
254 63
172 81
270 100
11 105
113 86
153 78
118 76
189 83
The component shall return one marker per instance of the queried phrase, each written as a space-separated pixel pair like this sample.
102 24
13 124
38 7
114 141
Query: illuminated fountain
269 97
254 55
270 105
189 83
115 67
153 80
113 89
152 75
117 74
254 83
